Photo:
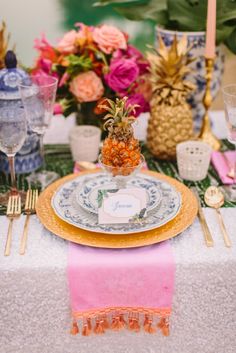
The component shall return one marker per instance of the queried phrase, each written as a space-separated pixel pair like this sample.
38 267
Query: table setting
109 242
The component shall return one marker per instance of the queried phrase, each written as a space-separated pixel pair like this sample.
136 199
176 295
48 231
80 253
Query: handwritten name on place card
120 206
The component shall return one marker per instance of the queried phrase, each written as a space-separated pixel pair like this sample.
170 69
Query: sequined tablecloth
34 303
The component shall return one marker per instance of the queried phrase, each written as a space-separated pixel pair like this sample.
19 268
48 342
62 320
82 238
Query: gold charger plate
67 231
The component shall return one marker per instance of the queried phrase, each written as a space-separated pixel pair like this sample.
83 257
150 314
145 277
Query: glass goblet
13 130
121 175
38 97
229 98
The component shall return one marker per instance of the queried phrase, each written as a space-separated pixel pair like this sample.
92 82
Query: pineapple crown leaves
168 70
119 113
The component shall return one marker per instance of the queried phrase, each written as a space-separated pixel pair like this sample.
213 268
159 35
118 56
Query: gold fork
13 211
30 205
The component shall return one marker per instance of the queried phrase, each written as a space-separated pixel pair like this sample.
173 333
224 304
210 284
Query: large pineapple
120 148
171 117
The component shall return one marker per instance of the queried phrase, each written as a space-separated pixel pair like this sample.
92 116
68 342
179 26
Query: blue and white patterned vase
28 158
197 39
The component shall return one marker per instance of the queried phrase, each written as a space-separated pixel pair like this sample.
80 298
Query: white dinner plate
67 208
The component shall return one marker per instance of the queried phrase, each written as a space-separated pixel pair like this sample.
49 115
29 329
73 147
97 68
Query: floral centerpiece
91 63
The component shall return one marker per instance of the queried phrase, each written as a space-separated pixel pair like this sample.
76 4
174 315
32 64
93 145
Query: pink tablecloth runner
116 288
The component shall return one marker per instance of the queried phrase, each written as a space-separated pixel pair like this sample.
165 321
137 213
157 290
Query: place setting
86 203
117 192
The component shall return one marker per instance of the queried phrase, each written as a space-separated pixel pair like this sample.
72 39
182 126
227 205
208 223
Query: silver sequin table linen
34 302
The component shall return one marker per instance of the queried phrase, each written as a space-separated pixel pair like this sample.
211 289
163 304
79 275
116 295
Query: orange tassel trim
134 323
147 325
115 320
105 323
163 325
99 329
87 328
122 320
75 329
116 324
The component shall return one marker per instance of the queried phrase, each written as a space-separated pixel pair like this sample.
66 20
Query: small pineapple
171 117
120 148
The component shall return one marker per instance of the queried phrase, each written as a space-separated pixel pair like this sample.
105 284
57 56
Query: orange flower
87 87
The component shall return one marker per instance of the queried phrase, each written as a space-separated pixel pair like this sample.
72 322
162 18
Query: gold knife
207 234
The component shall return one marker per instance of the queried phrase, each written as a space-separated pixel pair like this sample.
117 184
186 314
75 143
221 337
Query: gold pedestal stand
206 133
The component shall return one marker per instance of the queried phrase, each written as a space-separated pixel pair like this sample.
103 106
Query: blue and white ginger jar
28 158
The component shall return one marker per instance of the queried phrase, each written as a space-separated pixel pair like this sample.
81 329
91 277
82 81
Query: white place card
121 206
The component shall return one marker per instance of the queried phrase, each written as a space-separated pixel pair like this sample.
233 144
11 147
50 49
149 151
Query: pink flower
123 72
67 43
42 43
65 77
87 87
138 98
133 53
57 109
109 38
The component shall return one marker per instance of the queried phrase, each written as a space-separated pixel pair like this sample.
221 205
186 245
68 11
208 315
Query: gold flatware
207 234
30 206
13 211
214 198
231 172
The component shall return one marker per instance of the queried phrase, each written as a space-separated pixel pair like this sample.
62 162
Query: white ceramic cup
193 159
85 142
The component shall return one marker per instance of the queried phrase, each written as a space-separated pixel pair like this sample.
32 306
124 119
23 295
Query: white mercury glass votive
193 159
85 142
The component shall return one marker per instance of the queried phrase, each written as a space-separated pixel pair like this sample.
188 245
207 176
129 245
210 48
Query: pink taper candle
211 29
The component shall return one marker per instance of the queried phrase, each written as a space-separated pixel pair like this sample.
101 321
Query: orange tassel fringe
118 322
75 329
147 325
163 325
99 329
87 328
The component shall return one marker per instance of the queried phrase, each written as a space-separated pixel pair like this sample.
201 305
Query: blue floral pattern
198 77
66 207
87 194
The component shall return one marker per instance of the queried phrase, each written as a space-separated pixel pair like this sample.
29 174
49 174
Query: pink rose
57 109
133 53
123 72
109 38
138 98
67 43
87 87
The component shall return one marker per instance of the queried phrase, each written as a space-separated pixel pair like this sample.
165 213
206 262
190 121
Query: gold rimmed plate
54 224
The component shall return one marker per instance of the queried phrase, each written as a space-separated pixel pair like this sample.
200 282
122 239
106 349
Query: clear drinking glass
121 175
13 130
38 99
229 97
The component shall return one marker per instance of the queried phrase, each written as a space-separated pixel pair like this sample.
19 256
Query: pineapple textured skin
171 117
167 127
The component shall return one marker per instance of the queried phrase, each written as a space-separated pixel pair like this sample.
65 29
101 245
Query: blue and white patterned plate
86 196
66 207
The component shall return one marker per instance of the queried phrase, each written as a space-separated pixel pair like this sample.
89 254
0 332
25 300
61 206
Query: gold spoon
214 198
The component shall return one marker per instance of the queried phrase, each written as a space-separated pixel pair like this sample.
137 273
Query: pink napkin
221 165
115 288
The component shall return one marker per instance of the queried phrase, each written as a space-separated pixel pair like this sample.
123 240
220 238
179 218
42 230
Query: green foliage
78 64
182 15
